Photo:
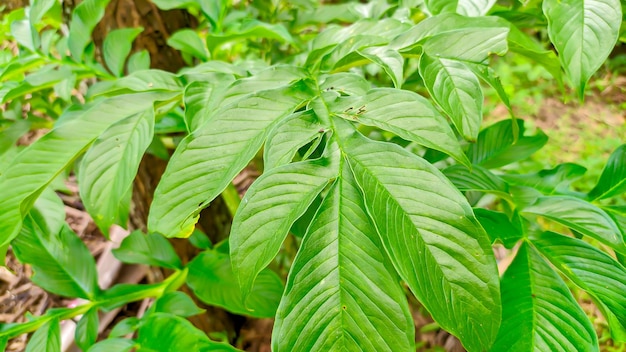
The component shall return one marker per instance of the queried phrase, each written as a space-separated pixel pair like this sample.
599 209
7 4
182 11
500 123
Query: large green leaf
476 179
85 17
38 8
212 280
168 333
456 37
589 268
548 181
35 167
390 60
498 146
406 114
109 167
201 99
342 293
87 329
141 81
116 48
346 83
613 179
152 249
456 89
289 135
430 233
271 205
338 42
522 43
539 312
188 41
113 344
46 339
208 159
177 303
584 33
580 216
62 263
464 7
250 29
499 227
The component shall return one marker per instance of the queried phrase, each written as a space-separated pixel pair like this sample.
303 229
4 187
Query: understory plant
366 120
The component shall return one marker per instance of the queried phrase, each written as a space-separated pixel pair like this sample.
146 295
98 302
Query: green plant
378 213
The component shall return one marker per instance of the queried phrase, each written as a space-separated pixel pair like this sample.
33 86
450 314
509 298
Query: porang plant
369 120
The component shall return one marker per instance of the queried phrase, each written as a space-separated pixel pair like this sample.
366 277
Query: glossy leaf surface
109 167
584 33
212 280
429 232
539 312
342 293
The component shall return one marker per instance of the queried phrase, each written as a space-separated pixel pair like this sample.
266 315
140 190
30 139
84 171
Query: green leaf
47 77
345 83
613 178
38 8
250 29
521 43
455 88
40 163
390 60
85 17
25 34
46 339
336 42
271 205
10 132
141 81
51 209
232 138
138 61
499 227
406 114
436 7
109 167
177 303
116 344
584 33
169 333
539 312
477 179
87 329
125 326
117 46
201 100
618 213
342 292
430 233
470 8
212 280
549 181
589 268
456 37
62 263
188 41
580 216
152 249
496 145
488 75
289 135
